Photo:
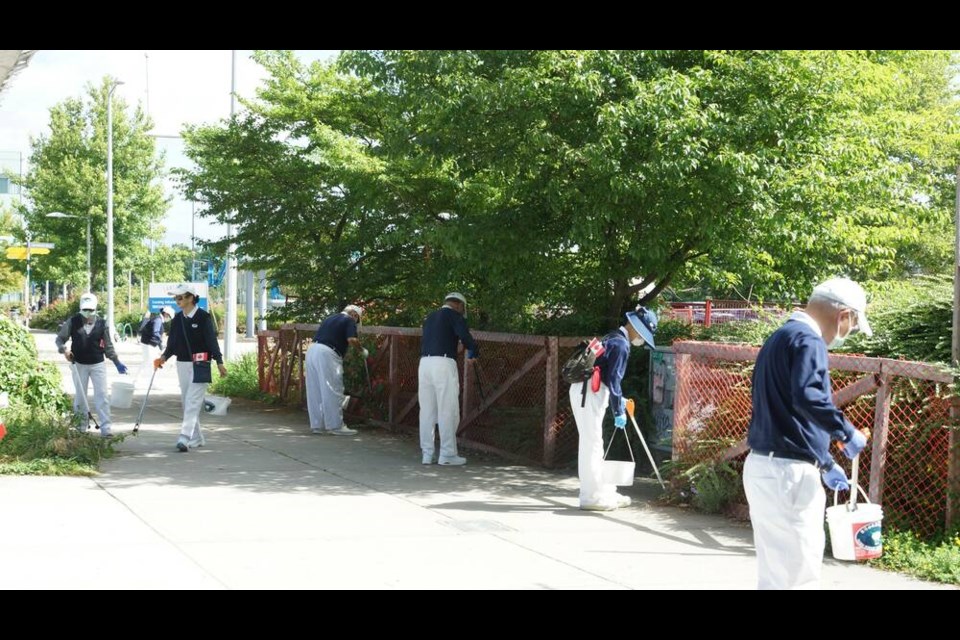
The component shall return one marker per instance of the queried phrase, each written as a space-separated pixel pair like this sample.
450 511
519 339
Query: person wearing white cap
90 344
324 364
193 340
439 387
151 340
590 401
794 420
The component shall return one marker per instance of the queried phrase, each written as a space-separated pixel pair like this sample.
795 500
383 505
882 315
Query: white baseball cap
88 302
168 311
352 308
181 289
848 293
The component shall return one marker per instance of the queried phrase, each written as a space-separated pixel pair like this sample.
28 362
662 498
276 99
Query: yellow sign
20 253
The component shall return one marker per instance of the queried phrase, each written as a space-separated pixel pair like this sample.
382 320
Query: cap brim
863 325
641 328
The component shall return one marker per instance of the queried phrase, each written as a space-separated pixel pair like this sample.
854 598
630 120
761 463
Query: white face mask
86 313
838 341
637 342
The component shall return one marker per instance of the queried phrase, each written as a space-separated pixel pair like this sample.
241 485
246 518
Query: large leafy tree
68 174
585 181
10 280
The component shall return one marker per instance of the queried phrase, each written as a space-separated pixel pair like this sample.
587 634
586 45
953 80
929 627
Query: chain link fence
906 405
512 399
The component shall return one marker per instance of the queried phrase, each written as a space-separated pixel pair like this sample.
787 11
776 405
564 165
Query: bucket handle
629 448
866 499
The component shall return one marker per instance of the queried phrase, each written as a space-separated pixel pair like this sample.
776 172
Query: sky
175 87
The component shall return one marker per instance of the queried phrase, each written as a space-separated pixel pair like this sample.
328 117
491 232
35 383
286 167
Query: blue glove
620 421
855 445
471 354
834 478
121 368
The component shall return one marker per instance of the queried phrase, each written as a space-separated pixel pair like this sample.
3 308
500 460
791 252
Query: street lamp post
60 214
110 318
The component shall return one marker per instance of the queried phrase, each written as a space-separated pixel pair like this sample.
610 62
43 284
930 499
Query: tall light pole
230 324
110 318
60 214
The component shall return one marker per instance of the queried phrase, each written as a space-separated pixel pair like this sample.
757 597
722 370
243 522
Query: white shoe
197 442
343 431
427 458
623 501
599 506
452 461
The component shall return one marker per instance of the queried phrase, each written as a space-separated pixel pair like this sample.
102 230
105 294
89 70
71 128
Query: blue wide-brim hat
644 322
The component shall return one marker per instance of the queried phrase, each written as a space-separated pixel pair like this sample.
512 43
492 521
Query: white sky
185 87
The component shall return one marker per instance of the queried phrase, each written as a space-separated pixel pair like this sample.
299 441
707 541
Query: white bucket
618 472
855 535
121 394
219 403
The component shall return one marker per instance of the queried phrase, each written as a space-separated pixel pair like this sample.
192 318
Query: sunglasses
182 297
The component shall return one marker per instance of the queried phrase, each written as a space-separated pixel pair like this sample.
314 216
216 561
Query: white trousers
191 395
439 396
589 420
101 404
787 504
324 388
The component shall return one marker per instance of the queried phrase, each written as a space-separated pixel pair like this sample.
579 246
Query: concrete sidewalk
267 505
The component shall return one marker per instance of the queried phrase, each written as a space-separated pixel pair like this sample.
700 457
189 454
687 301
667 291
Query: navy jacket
335 331
441 330
793 410
613 366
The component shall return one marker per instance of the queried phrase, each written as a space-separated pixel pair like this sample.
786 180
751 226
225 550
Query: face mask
637 342
837 341
86 313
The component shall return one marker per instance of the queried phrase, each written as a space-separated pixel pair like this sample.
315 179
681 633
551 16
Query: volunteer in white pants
611 365
439 384
151 342
793 422
193 340
90 344
324 365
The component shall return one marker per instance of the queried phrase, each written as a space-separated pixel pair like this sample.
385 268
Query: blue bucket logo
869 542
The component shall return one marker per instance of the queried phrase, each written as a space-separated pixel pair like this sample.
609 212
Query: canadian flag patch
596 347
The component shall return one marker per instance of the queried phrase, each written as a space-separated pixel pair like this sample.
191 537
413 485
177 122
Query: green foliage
906 552
46 442
910 319
242 380
10 280
53 315
575 180
68 174
714 485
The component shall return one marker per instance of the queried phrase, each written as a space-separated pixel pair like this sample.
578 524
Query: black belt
788 455
437 355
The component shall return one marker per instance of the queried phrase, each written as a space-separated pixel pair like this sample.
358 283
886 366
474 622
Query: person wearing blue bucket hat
794 420
590 401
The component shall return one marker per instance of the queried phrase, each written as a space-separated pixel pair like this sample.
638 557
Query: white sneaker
427 458
343 431
599 506
197 442
623 501
452 461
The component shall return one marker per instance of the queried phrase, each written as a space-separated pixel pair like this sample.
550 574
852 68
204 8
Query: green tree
10 280
68 174
544 183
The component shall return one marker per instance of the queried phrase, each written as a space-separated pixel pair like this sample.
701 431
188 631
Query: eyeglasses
181 297
854 321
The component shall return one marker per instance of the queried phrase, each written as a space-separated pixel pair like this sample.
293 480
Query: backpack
146 330
579 366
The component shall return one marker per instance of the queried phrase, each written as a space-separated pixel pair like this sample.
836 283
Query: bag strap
183 327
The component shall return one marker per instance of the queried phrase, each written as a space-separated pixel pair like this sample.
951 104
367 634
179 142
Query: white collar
626 335
804 317
191 314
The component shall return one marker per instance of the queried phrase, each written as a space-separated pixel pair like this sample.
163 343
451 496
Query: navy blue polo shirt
441 330
335 331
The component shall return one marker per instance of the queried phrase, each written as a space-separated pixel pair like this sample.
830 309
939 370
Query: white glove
366 353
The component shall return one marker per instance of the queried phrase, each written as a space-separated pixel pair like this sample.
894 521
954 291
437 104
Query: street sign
20 253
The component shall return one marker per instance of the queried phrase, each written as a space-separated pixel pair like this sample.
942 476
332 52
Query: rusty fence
512 399
906 405
711 312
